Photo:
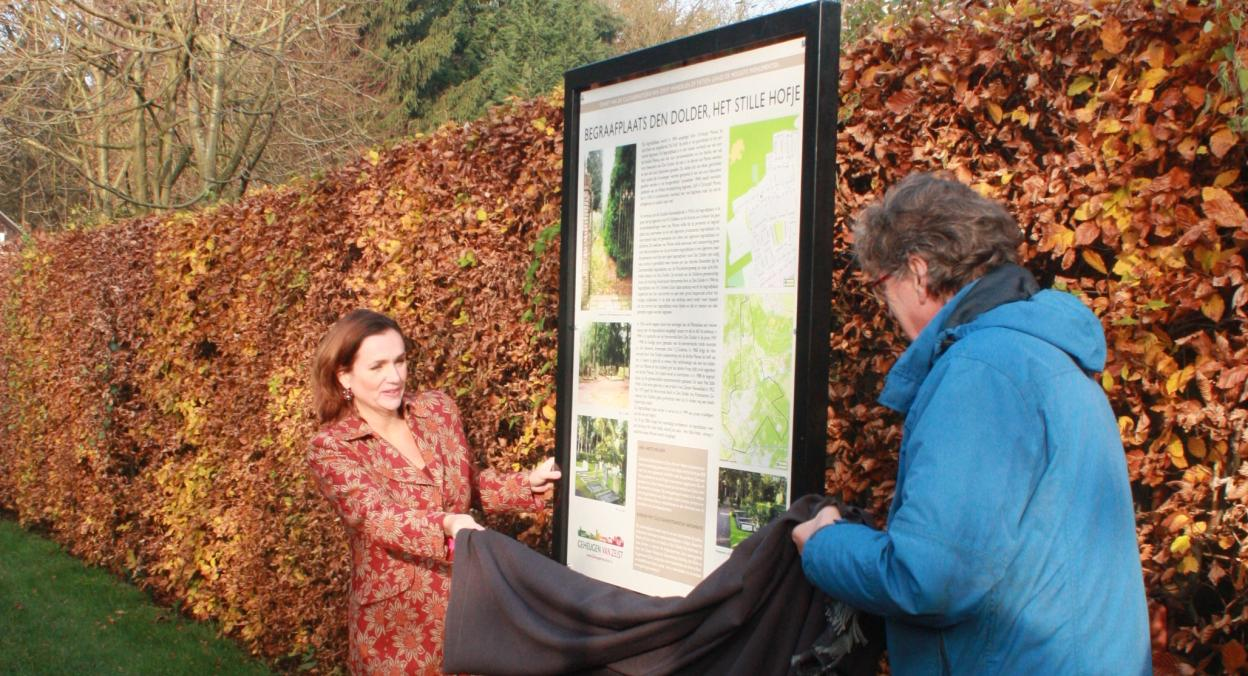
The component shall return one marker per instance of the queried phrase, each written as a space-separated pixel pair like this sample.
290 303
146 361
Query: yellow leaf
373 157
1064 238
1172 383
1200 527
1107 381
1125 265
1143 137
1178 522
1226 178
1166 364
995 112
1175 450
1094 260
1108 126
1081 84
1213 307
548 412
1188 564
1153 77
983 189
1181 544
1084 212
1173 257
1020 116
1197 475
482 215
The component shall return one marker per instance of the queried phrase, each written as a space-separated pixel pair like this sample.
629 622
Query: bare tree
153 104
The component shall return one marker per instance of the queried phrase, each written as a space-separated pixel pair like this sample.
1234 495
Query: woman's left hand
543 477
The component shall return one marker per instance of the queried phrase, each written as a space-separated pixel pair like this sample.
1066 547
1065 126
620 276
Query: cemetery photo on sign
603 368
601 449
607 246
747 502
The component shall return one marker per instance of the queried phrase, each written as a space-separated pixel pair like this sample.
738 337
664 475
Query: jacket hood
1055 317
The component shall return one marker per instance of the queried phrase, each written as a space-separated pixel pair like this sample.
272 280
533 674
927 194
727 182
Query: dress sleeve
493 490
365 506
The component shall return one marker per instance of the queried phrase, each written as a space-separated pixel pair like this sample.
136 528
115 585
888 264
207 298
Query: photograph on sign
688 220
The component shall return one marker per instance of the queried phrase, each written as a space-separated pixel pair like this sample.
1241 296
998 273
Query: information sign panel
694 303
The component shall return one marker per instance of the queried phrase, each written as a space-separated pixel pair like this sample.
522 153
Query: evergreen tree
617 223
452 59
593 165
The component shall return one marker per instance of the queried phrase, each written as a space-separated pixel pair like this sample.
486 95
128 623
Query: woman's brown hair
336 353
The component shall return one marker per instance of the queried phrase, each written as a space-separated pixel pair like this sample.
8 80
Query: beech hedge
153 386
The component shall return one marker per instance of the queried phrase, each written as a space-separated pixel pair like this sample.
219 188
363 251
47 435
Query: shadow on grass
59 616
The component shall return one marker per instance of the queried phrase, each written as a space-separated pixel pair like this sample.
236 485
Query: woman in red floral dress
396 468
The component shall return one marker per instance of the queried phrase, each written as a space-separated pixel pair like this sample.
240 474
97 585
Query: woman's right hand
453 523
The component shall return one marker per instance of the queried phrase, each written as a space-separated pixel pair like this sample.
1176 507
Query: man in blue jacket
1010 546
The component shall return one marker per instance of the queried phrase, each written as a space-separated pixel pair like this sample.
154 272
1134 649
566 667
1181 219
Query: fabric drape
514 611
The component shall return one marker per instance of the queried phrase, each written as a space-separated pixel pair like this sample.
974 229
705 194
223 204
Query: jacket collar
903 380
1004 284
353 427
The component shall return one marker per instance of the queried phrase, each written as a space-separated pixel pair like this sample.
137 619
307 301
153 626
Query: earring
346 394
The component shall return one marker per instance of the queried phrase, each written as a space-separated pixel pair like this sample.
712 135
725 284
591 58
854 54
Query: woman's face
379 373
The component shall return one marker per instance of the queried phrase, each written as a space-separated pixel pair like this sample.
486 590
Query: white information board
688 200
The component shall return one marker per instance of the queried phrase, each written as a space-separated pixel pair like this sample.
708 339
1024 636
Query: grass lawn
59 616
736 535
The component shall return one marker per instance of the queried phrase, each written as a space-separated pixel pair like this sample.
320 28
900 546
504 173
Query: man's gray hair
959 233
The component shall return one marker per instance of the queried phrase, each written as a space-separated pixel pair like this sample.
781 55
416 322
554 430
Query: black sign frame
819 24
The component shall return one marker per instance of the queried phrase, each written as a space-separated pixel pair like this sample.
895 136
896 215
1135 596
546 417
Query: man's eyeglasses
876 286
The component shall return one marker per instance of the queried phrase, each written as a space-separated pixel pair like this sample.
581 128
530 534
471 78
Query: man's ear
918 273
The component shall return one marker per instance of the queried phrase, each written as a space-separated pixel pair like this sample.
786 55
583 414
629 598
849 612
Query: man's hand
543 477
803 531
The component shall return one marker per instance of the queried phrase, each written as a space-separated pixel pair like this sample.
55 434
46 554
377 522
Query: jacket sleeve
973 458
363 505
493 490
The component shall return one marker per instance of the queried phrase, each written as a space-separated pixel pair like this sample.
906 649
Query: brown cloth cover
514 611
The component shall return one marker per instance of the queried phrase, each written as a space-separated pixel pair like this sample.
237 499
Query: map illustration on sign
758 379
764 167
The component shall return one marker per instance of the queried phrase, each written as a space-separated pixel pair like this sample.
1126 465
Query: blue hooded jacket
1011 544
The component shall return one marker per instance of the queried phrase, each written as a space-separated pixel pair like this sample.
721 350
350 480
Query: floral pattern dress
393 512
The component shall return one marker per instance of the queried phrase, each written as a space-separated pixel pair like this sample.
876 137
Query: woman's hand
803 531
453 523
543 477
